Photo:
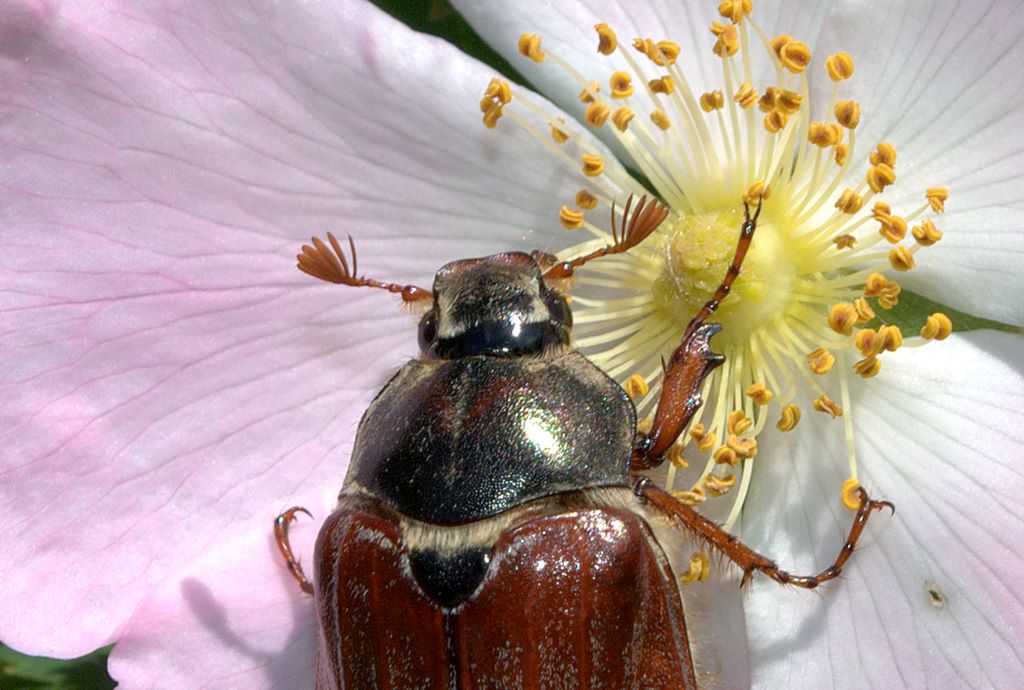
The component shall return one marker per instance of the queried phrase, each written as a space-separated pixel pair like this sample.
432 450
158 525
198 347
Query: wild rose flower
172 382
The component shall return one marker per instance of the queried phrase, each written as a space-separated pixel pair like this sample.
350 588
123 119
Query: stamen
789 419
839 66
937 198
607 41
850 494
937 327
636 386
593 165
901 259
586 200
926 233
823 403
759 393
529 46
698 570
570 218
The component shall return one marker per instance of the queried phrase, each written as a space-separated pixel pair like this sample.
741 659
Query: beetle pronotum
492 531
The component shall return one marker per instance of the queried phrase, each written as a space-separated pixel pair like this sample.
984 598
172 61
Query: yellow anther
876 284
883 153
621 84
823 403
864 311
893 228
795 56
822 135
901 259
789 419
529 46
775 121
820 361
662 53
889 297
759 393
849 201
622 117
767 102
607 41
705 440
744 447
659 118
937 198
778 43
733 10
937 327
663 85
839 66
746 96
891 338
755 192
867 367
842 317
847 113
712 100
789 101
881 212
693 497
845 241
738 422
698 569
570 218
492 115
645 425
725 455
675 456
593 165
499 90
926 233
850 494
636 386
597 113
841 151
719 486
868 342
558 134
880 176
586 200
588 94
728 42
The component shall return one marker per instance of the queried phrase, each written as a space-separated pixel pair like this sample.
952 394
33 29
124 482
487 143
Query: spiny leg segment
690 364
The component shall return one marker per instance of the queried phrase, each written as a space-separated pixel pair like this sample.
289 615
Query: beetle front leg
745 557
690 364
281 537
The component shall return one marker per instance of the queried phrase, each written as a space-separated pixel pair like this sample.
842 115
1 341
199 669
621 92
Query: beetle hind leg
283 545
742 555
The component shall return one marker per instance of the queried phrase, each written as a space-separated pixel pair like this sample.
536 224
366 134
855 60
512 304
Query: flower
172 381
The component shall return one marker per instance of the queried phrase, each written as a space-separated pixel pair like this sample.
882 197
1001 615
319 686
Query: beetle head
498 305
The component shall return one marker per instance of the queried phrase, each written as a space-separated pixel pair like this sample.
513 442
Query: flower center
806 313
697 251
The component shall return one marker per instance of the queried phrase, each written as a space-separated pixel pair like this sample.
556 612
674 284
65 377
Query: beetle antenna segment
330 264
281 537
742 555
643 221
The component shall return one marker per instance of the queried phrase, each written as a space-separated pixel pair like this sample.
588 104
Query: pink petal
171 381
939 434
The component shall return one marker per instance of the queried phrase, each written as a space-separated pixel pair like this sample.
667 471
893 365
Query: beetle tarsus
283 545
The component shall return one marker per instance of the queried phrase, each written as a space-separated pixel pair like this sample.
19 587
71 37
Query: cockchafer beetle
493 528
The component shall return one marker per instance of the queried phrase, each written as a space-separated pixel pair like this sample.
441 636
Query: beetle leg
281 537
690 364
745 557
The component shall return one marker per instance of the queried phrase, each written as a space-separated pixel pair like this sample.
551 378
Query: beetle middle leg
690 364
281 537
742 555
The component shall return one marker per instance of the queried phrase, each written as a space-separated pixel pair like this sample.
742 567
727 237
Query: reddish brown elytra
493 530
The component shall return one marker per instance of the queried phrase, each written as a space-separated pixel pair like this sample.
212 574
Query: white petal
939 434
941 82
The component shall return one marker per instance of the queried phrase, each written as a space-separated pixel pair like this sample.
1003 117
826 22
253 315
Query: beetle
493 530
